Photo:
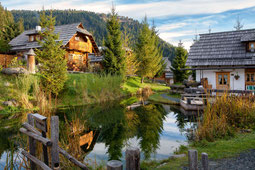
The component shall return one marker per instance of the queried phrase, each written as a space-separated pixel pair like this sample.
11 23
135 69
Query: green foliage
51 57
93 22
163 65
82 89
9 29
147 51
114 59
179 63
15 63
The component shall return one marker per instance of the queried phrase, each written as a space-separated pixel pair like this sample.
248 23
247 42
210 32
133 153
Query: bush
226 116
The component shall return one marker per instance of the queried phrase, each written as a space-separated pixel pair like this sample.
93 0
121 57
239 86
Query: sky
175 19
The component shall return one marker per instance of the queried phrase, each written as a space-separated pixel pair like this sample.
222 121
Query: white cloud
138 10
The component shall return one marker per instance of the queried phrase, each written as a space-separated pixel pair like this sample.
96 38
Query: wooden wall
5 59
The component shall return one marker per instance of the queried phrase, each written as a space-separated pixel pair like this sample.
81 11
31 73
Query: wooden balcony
80 46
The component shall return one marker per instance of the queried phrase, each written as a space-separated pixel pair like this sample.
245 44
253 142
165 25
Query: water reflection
109 128
104 131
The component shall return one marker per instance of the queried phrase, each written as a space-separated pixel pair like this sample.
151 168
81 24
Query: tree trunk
142 80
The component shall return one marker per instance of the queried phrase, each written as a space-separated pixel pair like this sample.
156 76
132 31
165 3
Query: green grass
224 148
159 99
133 84
79 89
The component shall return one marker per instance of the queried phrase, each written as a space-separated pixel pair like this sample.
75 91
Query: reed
227 115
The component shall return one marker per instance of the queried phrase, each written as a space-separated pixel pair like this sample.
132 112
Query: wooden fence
36 121
5 59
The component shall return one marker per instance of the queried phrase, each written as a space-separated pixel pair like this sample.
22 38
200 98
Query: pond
97 133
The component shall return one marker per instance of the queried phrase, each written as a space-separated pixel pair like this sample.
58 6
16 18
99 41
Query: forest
95 23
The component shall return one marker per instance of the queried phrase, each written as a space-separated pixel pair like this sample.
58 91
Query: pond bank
217 151
80 89
165 98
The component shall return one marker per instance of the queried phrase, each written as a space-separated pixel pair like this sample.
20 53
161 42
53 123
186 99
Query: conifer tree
148 53
114 60
179 63
131 62
9 29
51 58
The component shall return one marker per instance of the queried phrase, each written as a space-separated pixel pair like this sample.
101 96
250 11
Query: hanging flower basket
237 77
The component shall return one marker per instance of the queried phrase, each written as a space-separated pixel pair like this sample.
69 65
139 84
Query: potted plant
237 76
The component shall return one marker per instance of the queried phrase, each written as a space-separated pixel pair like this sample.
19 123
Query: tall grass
90 88
225 116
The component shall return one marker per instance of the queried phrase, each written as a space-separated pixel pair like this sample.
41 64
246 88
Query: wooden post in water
54 122
205 164
114 165
41 123
32 142
133 159
193 165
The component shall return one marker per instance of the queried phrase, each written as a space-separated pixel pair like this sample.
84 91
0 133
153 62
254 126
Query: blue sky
175 19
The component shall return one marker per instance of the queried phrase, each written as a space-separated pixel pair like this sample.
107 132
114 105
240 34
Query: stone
11 102
7 84
18 70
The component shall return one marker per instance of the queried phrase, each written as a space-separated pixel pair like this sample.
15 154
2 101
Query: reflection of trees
115 125
150 127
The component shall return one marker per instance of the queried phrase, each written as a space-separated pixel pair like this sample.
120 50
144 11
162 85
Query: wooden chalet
225 60
77 42
167 75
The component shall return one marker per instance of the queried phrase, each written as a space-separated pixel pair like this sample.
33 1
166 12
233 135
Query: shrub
225 116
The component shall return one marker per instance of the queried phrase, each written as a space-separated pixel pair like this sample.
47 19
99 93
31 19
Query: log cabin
77 42
224 60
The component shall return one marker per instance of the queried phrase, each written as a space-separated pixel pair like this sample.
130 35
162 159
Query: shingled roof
66 32
222 49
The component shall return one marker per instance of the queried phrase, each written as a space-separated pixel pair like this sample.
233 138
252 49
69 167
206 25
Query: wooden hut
225 60
77 42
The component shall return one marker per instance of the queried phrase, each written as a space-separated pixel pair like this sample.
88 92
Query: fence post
193 165
32 142
205 164
54 121
114 165
133 159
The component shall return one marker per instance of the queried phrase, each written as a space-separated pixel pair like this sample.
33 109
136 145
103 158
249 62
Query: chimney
38 28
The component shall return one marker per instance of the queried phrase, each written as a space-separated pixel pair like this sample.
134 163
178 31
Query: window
220 79
31 38
251 47
250 77
77 38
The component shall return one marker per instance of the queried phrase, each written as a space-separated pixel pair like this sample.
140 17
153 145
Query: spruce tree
9 29
130 59
179 63
148 53
114 60
53 66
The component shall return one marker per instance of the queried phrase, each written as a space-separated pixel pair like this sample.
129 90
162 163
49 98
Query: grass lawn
90 88
134 83
219 149
160 99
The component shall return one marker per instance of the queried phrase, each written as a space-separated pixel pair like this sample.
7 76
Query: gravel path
244 161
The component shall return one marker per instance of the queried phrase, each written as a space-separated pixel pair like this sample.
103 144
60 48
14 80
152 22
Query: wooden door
223 80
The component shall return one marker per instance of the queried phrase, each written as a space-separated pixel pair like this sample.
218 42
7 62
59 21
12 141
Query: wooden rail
190 90
40 122
132 154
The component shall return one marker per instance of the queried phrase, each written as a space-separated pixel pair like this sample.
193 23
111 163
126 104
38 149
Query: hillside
93 22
